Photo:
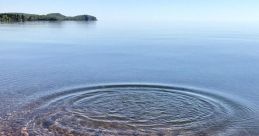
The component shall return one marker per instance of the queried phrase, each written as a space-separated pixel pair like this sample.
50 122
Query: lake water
107 78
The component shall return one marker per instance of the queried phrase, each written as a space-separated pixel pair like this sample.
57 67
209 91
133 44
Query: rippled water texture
132 110
129 78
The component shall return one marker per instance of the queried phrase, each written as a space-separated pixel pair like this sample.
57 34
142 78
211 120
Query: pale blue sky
148 10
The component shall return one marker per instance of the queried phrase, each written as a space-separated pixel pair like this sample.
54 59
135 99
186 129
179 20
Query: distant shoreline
23 17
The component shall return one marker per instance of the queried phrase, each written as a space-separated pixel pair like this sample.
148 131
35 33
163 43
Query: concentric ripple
134 110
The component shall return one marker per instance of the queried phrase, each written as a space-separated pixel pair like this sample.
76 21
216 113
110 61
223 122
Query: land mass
22 17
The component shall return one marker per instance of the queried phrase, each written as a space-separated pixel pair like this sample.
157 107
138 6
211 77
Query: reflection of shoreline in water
49 24
134 109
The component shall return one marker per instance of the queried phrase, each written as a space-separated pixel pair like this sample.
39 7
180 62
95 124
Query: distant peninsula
22 17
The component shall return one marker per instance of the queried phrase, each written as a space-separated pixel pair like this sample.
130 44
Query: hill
22 17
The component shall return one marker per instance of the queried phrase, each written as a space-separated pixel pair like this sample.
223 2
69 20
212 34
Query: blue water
39 60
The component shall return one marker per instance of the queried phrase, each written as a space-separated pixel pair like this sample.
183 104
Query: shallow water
104 78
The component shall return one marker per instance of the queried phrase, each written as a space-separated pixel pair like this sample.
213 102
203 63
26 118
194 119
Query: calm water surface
107 78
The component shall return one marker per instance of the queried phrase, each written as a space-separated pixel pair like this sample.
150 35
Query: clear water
107 78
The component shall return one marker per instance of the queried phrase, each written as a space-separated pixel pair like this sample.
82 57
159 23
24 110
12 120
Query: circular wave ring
133 110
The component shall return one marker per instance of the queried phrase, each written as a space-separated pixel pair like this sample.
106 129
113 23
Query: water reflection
39 61
48 24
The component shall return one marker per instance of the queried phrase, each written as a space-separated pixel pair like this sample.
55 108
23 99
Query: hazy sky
148 10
